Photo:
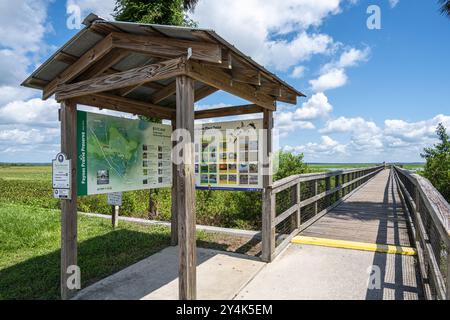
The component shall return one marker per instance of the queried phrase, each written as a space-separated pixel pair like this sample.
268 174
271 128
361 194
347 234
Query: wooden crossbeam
247 76
65 57
203 92
221 80
227 61
111 102
158 71
228 111
279 92
167 47
109 60
82 64
164 93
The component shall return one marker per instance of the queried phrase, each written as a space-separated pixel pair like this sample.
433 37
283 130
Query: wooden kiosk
156 71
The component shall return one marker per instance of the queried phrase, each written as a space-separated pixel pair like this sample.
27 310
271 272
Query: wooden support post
316 190
174 217
186 190
115 216
268 214
69 207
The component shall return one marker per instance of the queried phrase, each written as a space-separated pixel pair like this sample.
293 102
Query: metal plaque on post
62 177
115 199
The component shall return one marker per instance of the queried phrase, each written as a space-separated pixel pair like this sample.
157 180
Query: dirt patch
244 245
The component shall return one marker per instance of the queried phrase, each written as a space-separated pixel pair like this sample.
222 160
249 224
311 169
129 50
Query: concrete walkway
220 275
305 272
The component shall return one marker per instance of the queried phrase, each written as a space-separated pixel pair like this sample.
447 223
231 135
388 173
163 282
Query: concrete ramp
220 275
305 272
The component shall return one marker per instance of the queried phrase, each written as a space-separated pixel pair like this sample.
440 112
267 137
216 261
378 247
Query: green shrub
231 209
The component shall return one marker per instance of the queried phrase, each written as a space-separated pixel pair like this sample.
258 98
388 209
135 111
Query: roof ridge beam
167 47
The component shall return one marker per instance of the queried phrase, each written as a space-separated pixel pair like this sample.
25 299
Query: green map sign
117 154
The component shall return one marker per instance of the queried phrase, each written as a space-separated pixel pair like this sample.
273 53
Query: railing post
338 184
299 199
268 214
327 188
316 204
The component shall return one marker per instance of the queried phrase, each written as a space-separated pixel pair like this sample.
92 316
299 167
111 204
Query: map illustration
119 154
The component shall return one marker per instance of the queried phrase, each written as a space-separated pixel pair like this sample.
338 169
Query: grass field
38 173
30 249
30 237
30 254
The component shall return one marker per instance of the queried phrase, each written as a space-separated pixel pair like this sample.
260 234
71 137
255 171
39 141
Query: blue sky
372 95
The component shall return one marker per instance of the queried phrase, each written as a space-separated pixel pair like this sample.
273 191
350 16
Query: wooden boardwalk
373 214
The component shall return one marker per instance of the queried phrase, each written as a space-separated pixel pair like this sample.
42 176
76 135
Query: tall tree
437 167
170 12
167 12
445 7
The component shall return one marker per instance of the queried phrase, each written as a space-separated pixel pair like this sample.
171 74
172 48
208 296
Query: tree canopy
437 167
168 12
445 7
290 164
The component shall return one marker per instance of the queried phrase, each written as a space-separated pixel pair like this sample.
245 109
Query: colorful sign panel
118 154
227 155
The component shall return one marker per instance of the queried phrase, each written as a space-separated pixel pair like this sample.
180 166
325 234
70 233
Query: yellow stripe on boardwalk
384 248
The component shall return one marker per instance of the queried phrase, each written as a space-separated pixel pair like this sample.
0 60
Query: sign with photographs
118 154
227 155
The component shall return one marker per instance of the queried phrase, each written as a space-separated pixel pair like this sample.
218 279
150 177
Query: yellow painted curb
384 248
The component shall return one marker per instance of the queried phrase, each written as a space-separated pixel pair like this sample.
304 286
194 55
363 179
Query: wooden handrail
354 179
423 202
287 182
438 207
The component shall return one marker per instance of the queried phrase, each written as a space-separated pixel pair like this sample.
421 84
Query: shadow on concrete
220 275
